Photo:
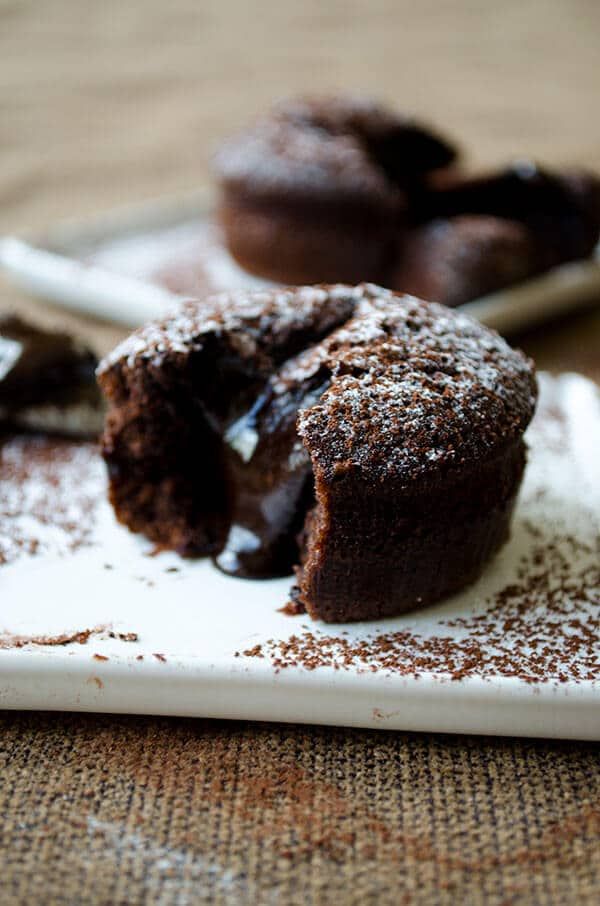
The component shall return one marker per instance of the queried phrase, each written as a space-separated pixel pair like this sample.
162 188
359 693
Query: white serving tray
191 620
111 268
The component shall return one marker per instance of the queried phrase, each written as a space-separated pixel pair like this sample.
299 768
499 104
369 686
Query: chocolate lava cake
317 191
370 440
342 189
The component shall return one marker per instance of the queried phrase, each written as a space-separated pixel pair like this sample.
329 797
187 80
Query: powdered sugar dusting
246 319
50 490
279 157
328 148
414 387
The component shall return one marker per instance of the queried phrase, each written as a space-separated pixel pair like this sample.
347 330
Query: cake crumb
292 609
124 636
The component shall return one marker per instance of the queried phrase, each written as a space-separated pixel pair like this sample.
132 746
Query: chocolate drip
270 481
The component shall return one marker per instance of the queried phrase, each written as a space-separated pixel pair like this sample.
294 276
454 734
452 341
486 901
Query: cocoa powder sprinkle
543 627
79 637
292 608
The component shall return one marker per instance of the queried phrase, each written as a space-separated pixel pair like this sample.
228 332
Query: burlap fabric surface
130 810
104 103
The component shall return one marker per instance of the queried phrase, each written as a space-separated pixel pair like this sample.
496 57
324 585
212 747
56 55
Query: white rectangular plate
518 653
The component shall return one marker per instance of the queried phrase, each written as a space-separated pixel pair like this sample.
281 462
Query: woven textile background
129 810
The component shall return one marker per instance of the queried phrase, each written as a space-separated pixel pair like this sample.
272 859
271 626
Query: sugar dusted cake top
414 389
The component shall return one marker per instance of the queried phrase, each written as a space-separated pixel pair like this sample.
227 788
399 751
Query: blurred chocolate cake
47 381
318 190
343 189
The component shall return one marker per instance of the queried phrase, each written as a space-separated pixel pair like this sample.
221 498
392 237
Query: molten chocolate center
270 482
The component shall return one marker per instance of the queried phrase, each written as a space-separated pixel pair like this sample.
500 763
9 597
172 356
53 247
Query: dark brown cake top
348 150
415 390
265 324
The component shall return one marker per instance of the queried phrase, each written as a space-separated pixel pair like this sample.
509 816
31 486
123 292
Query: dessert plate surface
92 619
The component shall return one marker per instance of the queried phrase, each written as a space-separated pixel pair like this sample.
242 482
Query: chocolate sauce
270 480
47 380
